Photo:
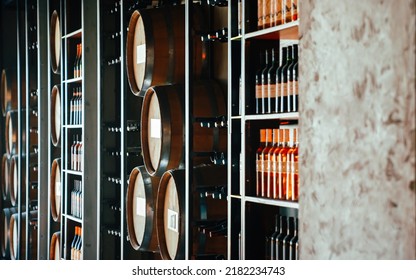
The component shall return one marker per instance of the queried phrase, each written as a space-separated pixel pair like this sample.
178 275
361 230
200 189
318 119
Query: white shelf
75 34
273 202
282 32
72 218
73 80
280 116
72 172
73 125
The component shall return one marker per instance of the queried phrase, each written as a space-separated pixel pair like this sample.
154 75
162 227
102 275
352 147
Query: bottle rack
119 131
31 125
55 93
78 160
246 210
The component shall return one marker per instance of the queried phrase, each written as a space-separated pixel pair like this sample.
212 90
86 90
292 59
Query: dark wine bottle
258 86
264 84
285 84
271 80
279 75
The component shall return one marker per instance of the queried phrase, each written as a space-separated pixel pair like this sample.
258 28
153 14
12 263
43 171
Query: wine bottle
293 243
272 164
267 9
260 15
285 86
80 61
292 193
264 84
295 90
281 163
259 162
294 10
78 245
275 164
280 237
266 162
271 80
76 62
288 237
279 73
74 241
273 253
258 86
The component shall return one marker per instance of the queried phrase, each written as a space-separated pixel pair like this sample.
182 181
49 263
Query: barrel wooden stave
8 90
55 116
5 231
11 132
163 122
55 190
55 42
140 201
5 166
55 246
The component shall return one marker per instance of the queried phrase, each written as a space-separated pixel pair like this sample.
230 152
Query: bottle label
266 165
295 88
284 89
141 54
287 11
172 220
272 90
289 88
140 206
258 91
155 128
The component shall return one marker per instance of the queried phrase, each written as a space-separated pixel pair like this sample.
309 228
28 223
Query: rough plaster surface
357 129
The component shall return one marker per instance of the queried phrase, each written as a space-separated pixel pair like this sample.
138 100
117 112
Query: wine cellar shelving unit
251 217
217 217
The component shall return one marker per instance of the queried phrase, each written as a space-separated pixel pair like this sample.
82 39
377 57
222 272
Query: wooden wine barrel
163 123
5 166
11 132
8 90
170 207
55 42
6 214
55 116
14 180
141 196
14 237
55 246
155 48
55 190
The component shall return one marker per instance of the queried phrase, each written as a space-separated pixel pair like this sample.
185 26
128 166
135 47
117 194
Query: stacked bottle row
75 116
76 199
277 164
276 88
283 243
76 154
76 245
276 12
78 62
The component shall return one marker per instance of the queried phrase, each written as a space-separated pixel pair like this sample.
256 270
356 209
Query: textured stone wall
357 129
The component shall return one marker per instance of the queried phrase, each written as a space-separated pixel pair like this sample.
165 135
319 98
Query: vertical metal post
43 147
188 128
26 148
